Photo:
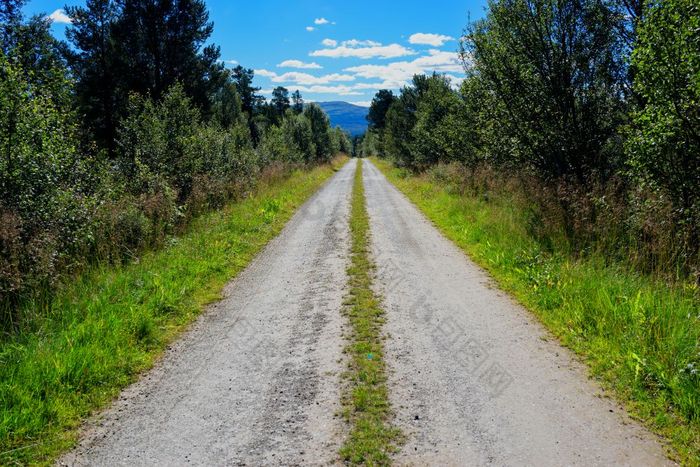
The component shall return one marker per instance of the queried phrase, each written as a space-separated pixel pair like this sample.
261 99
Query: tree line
113 141
593 105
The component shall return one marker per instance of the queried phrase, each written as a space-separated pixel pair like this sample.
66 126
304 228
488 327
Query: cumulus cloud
60 16
309 28
371 51
304 78
436 40
321 21
401 72
329 42
298 64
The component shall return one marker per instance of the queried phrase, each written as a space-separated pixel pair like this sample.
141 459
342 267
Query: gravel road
256 379
473 378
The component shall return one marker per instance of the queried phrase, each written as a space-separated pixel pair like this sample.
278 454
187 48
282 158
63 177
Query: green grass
366 404
114 322
639 335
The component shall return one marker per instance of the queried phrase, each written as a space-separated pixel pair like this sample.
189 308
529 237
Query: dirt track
256 379
473 380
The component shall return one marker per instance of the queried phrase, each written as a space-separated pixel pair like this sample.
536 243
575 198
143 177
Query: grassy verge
366 404
112 323
640 336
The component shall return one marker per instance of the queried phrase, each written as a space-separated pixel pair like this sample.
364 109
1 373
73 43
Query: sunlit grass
366 404
114 322
639 335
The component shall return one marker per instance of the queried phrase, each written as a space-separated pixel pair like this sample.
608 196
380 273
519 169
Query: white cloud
298 64
309 28
381 51
304 78
356 43
361 103
229 62
401 72
60 16
329 42
436 40
386 84
341 90
321 21
265 73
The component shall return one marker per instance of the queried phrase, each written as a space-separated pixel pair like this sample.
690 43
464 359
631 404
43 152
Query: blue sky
331 50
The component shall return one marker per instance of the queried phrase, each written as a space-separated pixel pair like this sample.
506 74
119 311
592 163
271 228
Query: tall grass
111 323
639 333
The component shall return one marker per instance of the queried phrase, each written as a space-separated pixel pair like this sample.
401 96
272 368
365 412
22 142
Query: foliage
443 126
144 47
297 102
44 184
378 109
320 132
554 69
547 93
664 148
66 204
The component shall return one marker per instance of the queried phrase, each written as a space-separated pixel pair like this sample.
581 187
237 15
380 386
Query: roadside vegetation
567 162
112 145
113 322
366 402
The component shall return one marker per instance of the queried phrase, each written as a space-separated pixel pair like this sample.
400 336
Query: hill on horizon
349 117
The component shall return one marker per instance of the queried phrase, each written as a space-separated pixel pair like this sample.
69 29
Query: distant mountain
349 117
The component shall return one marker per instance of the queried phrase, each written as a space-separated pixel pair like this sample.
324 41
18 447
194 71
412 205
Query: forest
115 140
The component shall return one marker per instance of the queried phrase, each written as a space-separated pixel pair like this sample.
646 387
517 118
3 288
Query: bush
664 147
44 197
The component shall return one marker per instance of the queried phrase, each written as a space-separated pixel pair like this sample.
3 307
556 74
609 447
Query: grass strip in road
365 402
113 323
640 336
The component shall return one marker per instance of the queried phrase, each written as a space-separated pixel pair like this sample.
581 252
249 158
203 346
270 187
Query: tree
280 100
554 68
378 109
162 42
320 130
226 106
297 102
11 19
30 45
397 141
243 79
443 128
664 148
297 129
95 66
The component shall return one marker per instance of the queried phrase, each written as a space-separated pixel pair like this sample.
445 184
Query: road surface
473 378
256 380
